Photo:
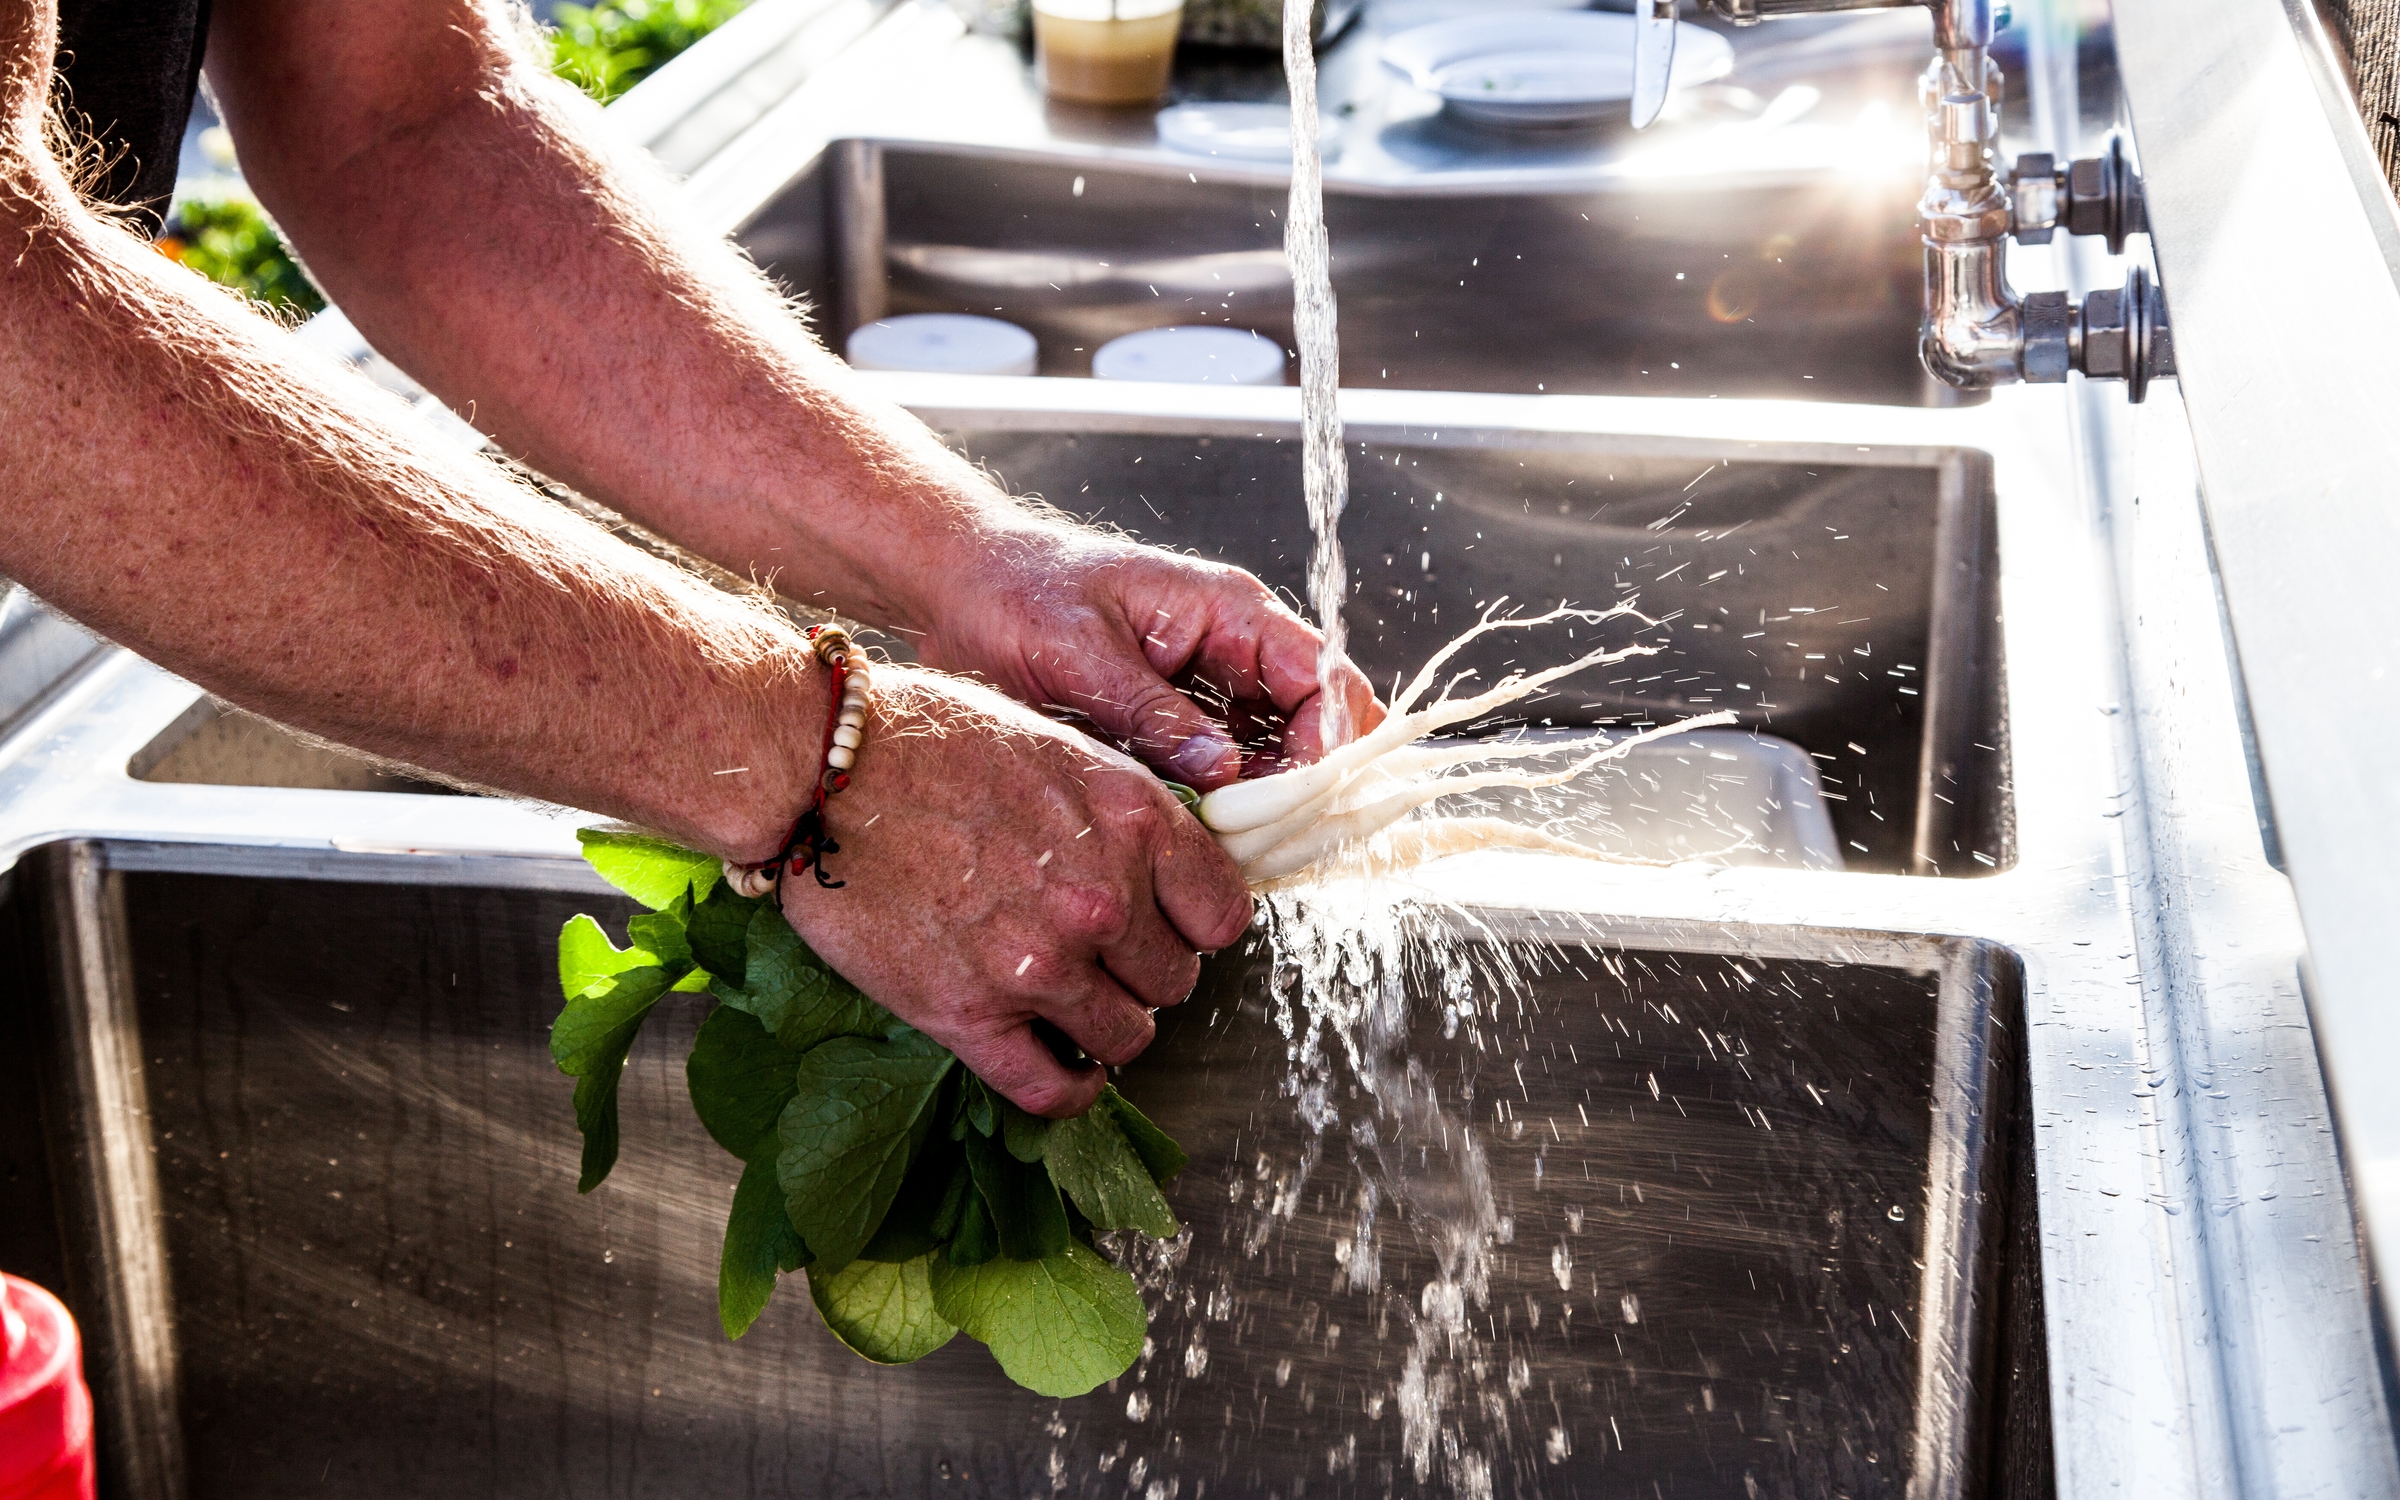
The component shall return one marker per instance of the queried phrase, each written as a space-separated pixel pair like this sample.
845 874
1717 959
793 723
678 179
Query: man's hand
1000 868
1129 636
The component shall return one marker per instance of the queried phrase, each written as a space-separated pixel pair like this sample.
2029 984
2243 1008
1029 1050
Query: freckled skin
177 473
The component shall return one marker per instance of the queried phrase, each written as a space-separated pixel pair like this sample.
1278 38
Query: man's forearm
180 479
487 242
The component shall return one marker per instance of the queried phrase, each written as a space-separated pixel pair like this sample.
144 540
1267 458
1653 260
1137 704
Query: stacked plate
1542 67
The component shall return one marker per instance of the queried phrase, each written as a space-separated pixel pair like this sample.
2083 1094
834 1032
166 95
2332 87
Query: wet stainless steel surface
385 1281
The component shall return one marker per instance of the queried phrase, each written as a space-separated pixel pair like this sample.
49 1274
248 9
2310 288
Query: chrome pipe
1978 332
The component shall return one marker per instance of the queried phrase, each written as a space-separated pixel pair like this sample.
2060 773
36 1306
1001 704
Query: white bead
855 708
841 757
847 737
851 721
748 882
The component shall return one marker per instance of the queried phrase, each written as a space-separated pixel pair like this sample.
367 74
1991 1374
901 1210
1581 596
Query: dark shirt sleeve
128 70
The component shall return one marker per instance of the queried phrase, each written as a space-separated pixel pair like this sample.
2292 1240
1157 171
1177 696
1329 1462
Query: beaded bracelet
845 731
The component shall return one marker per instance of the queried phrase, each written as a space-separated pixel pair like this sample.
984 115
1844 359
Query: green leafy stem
919 1201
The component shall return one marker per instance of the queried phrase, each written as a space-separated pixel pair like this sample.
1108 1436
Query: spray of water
1325 468
1350 960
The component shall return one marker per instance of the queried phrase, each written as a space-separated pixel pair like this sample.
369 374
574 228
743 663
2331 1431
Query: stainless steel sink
1789 285
1726 1158
1840 601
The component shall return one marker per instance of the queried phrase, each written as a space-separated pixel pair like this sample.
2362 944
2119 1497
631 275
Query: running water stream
1325 469
1351 960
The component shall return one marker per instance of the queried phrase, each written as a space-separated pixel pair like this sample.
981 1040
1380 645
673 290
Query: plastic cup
45 1409
1195 354
1105 51
944 343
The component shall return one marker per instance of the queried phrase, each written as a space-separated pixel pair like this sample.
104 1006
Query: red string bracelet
806 846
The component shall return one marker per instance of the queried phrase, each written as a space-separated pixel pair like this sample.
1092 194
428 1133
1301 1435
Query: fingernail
1202 755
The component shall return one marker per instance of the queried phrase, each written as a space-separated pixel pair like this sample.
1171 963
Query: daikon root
1403 849
1278 826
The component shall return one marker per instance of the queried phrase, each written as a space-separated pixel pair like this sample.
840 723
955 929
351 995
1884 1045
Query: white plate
1542 67
1238 132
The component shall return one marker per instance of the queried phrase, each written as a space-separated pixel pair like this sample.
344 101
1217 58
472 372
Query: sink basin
1721 1162
1843 602
1787 285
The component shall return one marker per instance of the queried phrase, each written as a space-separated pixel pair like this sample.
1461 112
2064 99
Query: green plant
920 1202
232 242
607 48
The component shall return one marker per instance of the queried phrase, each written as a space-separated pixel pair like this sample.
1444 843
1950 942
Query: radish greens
918 1200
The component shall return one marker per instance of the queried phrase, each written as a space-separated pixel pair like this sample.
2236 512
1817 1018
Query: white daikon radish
1277 827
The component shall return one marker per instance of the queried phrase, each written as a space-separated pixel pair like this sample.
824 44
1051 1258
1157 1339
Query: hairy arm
180 476
466 211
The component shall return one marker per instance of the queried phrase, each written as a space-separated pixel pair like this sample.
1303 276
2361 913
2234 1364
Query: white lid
1106 10
1193 354
1241 132
945 344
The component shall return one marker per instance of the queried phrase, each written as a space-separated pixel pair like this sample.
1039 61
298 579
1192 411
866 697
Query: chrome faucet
1979 332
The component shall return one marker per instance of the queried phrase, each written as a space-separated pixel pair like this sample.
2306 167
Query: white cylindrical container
944 344
1194 354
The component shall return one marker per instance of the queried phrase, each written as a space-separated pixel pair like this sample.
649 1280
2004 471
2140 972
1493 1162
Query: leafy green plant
231 241
919 1201
607 48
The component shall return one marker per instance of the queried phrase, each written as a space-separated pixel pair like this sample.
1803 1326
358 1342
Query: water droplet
1137 1406
1556 1448
1896 1214
1283 1372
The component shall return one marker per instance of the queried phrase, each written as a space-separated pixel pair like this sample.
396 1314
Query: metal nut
2049 323
2107 352
2033 192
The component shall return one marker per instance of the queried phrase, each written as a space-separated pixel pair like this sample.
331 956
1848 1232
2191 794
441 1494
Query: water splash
1344 955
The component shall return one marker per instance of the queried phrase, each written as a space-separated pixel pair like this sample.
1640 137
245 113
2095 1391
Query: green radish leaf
1188 796
651 871
863 1111
719 931
601 1021
1093 1163
661 933
883 1311
907 1230
589 1041
976 1241
759 1242
1059 1326
1023 1133
982 1113
953 1207
790 989
1158 1151
740 1078
586 956
1027 1213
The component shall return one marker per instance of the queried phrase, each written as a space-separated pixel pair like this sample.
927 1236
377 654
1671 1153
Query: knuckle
1128 1034
1092 913
1231 923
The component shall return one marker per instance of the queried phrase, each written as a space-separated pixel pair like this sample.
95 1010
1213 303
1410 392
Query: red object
45 1409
